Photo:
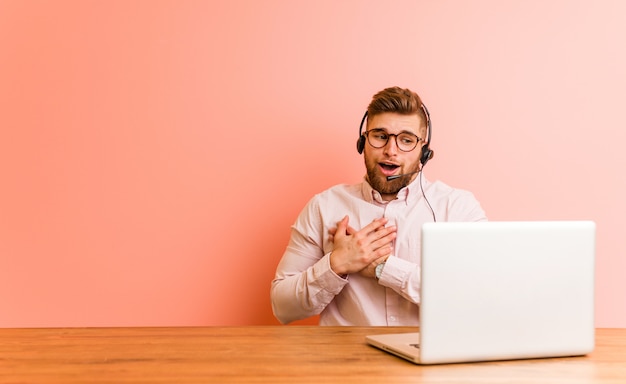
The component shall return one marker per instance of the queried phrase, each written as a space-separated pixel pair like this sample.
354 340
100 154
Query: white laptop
502 291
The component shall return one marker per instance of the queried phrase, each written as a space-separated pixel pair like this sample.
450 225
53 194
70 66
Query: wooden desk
280 354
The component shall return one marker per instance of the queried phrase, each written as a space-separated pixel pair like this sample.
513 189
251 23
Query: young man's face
391 160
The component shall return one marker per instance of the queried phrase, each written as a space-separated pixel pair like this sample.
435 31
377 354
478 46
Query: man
354 252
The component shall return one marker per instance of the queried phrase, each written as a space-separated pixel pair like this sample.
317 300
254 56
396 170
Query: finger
384 234
383 246
374 225
381 259
341 227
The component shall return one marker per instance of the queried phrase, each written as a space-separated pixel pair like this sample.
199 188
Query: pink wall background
153 154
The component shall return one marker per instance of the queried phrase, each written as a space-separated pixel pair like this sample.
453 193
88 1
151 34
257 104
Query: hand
356 250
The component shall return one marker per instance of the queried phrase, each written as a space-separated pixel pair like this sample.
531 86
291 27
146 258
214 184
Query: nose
392 145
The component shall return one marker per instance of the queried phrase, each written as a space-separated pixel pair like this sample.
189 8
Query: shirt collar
406 194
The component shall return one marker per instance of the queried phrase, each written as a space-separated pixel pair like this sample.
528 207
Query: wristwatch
379 270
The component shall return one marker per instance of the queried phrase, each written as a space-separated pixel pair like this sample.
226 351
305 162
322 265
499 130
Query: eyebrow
385 129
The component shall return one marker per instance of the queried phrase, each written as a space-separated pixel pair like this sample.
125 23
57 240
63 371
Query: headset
427 153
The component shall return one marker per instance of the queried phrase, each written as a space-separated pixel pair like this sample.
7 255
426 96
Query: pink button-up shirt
305 285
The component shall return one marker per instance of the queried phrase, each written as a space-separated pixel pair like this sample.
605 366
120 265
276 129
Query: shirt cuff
331 281
396 272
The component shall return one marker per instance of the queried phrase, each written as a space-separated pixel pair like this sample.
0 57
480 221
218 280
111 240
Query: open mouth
388 169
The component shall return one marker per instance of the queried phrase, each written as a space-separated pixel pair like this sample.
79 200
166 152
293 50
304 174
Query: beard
379 182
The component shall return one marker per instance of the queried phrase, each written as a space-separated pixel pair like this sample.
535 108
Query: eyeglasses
405 141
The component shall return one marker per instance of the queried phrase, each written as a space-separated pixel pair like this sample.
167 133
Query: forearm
303 294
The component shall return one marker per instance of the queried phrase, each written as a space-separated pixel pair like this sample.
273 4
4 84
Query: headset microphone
393 177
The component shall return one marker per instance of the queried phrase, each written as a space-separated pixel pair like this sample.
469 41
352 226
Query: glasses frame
389 135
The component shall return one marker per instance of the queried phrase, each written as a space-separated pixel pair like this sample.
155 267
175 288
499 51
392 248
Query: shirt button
392 319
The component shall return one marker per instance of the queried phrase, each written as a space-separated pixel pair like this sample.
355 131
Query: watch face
379 270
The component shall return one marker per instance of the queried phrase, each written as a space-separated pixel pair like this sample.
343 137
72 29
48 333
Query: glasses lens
377 138
406 142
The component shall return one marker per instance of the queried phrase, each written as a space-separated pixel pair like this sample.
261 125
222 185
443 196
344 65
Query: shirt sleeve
304 283
463 206
404 276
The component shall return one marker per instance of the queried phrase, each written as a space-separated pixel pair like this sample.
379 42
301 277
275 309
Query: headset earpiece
360 143
427 154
